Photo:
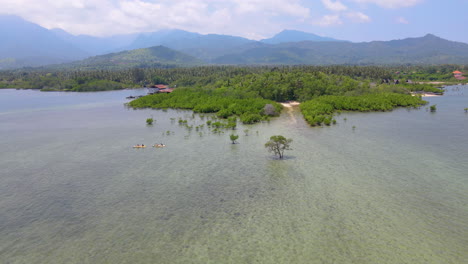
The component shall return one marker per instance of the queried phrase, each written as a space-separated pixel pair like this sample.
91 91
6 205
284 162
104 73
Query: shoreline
426 94
290 104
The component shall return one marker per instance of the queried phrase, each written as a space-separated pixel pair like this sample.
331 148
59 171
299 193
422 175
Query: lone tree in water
278 144
149 121
233 138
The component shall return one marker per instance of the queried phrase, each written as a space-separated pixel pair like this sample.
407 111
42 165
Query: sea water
387 187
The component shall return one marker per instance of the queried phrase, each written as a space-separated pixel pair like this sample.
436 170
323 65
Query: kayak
139 146
159 145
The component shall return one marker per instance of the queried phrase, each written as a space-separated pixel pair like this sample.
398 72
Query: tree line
212 76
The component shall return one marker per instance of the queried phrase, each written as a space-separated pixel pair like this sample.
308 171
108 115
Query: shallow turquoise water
72 190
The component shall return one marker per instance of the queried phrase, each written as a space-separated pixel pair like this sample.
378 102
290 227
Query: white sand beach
290 104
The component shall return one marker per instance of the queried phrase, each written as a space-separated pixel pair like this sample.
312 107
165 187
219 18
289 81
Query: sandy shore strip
290 104
431 82
425 94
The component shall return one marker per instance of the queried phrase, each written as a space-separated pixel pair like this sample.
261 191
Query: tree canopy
278 144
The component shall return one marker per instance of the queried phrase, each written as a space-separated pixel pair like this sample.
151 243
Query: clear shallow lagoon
73 190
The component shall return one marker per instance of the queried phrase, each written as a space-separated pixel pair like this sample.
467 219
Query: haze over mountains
27 44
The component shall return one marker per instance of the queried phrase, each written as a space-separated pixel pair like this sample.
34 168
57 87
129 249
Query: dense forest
210 76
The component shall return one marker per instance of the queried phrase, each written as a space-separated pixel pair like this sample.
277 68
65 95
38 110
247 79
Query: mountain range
25 44
157 57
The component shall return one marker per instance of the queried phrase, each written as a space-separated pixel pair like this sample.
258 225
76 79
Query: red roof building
161 86
457 72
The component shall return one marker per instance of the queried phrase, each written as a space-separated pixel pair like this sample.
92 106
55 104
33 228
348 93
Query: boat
159 145
139 146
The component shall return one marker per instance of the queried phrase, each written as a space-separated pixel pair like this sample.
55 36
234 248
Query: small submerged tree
233 138
433 108
278 144
149 121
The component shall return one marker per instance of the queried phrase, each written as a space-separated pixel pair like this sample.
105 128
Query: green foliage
249 118
233 138
320 111
296 84
408 88
278 144
281 83
466 110
219 101
433 108
149 121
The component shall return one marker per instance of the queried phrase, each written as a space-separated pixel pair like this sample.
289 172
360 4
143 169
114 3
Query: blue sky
355 20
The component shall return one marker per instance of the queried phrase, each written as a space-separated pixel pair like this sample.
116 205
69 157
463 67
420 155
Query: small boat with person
161 145
139 146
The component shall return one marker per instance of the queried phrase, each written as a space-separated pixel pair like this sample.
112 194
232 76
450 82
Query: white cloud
328 20
273 7
391 3
108 17
401 20
358 17
336 6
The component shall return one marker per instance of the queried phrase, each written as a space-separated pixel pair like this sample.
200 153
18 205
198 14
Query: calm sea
387 187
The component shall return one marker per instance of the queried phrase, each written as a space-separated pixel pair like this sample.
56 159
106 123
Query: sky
354 20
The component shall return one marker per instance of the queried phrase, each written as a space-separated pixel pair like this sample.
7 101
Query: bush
233 138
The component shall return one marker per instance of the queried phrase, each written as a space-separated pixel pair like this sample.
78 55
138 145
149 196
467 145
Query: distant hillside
205 47
425 50
27 44
295 36
96 45
159 56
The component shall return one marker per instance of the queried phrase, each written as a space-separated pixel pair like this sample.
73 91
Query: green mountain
205 47
158 56
429 49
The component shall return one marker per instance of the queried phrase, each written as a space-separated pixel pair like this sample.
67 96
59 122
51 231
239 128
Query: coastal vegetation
68 79
278 144
433 108
149 121
225 103
320 110
233 138
251 94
